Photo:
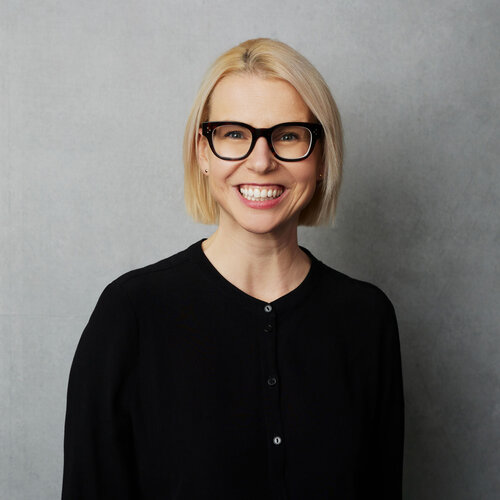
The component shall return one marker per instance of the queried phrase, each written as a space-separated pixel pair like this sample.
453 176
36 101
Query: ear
203 153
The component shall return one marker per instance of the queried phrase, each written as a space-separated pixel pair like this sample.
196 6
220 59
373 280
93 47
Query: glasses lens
231 141
292 141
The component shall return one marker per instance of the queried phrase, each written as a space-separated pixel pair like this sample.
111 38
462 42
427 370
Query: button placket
268 328
270 372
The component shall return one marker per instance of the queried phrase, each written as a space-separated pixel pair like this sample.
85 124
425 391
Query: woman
243 367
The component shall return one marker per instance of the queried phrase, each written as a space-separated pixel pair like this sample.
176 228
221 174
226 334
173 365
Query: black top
183 387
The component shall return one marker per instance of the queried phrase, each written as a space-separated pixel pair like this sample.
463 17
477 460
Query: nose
261 159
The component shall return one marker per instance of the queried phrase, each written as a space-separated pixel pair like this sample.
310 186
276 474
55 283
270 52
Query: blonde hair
269 59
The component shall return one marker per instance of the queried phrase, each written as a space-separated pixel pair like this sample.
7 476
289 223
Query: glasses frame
316 130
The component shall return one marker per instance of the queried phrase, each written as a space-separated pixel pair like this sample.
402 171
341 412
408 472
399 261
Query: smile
261 193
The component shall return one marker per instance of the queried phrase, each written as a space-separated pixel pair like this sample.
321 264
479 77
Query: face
261 103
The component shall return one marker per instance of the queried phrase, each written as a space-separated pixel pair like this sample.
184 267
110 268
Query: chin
257 221
260 230
259 225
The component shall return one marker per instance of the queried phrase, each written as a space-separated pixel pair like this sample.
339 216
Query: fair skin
256 247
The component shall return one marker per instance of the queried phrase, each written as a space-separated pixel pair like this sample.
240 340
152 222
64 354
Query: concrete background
93 101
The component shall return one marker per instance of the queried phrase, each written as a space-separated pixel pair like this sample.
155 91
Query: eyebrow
270 126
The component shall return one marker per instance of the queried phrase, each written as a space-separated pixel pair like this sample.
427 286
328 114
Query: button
268 308
276 440
271 381
268 328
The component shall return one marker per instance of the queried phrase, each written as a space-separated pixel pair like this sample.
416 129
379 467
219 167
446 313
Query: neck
265 266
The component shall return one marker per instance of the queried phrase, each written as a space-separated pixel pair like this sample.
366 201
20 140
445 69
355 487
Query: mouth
254 192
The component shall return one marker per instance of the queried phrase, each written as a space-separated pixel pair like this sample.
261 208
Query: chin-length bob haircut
268 58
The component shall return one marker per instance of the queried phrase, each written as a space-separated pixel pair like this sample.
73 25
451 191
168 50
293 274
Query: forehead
258 101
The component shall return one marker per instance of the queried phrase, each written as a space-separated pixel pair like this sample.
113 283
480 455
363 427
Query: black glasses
291 141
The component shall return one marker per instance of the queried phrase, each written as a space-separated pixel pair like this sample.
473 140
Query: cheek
308 174
218 177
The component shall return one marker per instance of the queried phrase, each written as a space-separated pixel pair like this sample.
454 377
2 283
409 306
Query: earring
206 171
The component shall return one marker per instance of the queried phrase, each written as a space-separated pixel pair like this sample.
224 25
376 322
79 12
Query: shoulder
123 300
361 312
177 269
355 295
352 290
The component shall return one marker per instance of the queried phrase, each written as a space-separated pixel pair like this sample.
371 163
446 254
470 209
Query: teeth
256 194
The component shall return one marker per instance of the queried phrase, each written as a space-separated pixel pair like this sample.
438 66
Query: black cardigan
185 387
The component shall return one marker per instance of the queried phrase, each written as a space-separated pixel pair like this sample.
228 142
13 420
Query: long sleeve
98 446
389 424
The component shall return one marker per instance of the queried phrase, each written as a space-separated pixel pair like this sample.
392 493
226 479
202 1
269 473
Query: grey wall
93 101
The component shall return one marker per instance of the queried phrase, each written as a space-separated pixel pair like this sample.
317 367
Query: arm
98 447
389 423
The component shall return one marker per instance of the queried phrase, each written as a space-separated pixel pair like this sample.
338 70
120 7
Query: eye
291 134
234 134
288 136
